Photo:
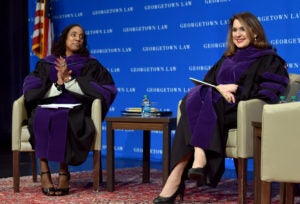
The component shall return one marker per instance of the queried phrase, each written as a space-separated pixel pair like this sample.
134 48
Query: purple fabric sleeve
108 91
31 82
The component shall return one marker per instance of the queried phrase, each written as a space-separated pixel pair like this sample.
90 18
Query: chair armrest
178 111
96 115
280 142
248 111
19 115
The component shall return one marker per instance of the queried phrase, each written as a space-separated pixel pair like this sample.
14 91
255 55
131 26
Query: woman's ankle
199 158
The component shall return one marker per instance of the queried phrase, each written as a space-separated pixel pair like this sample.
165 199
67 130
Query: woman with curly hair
68 76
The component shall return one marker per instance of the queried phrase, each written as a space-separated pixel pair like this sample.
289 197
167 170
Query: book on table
135 111
200 82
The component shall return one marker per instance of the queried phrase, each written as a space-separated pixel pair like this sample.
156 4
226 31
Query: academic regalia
66 135
206 116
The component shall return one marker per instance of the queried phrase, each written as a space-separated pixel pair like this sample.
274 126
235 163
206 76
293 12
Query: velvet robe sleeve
35 86
266 79
96 82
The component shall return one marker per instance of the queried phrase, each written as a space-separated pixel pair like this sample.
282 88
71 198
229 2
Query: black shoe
198 174
171 199
48 191
63 191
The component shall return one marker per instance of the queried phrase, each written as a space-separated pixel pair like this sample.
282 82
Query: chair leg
282 192
242 180
16 171
289 193
265 192
33 166
96 170
100 168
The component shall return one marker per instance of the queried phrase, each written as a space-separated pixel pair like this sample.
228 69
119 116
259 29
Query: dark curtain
14 59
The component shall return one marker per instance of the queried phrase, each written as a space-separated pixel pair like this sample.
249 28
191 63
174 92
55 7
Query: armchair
240 143
280 150
240 140
20 143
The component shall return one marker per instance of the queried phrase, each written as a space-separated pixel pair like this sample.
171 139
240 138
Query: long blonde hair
254 28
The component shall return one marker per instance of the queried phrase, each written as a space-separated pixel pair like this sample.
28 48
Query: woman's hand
228 90
63 73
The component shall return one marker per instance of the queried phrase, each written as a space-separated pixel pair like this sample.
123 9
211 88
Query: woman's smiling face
240 35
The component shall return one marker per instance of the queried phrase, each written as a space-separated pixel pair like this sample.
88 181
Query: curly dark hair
59 48
254 29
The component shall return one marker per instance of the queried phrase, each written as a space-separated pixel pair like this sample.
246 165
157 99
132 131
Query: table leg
110 140
146 156
166 152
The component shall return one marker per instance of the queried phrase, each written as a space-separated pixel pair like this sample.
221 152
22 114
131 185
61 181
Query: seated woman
248 69
68 76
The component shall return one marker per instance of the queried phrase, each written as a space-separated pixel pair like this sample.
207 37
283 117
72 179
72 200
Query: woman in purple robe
68 76
248 69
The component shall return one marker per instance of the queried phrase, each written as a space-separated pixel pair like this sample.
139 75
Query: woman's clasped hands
63 73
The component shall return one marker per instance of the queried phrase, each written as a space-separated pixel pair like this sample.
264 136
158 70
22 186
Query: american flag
43 35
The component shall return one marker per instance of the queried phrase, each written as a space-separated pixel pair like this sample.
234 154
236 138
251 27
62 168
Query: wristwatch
59 87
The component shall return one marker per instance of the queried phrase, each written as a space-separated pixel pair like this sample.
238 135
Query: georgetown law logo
114 69
166 90
126 89
280 17
216 1
293 65
170 5
203 23
111 50
164 48
199 67
145 28
154 69
99 31
113 10
152 151
286 41
68 15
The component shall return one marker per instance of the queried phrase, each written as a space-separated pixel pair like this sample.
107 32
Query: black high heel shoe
198 174
63 191
171 199
48 191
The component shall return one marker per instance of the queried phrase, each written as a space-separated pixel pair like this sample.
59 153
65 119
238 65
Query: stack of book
137 112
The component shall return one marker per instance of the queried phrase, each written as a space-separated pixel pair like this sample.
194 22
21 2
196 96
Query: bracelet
59 87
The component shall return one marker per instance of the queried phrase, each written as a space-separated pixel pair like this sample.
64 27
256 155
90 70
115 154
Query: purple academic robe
63 134
206 117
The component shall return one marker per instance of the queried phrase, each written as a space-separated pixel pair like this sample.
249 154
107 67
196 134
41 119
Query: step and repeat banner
152 47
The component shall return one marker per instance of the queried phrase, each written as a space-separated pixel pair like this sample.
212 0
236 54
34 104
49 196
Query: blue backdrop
152 47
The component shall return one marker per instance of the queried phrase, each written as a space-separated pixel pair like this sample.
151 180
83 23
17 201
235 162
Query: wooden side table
164 124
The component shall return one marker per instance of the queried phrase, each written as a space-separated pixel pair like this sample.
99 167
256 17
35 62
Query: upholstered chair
280 141
20 143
